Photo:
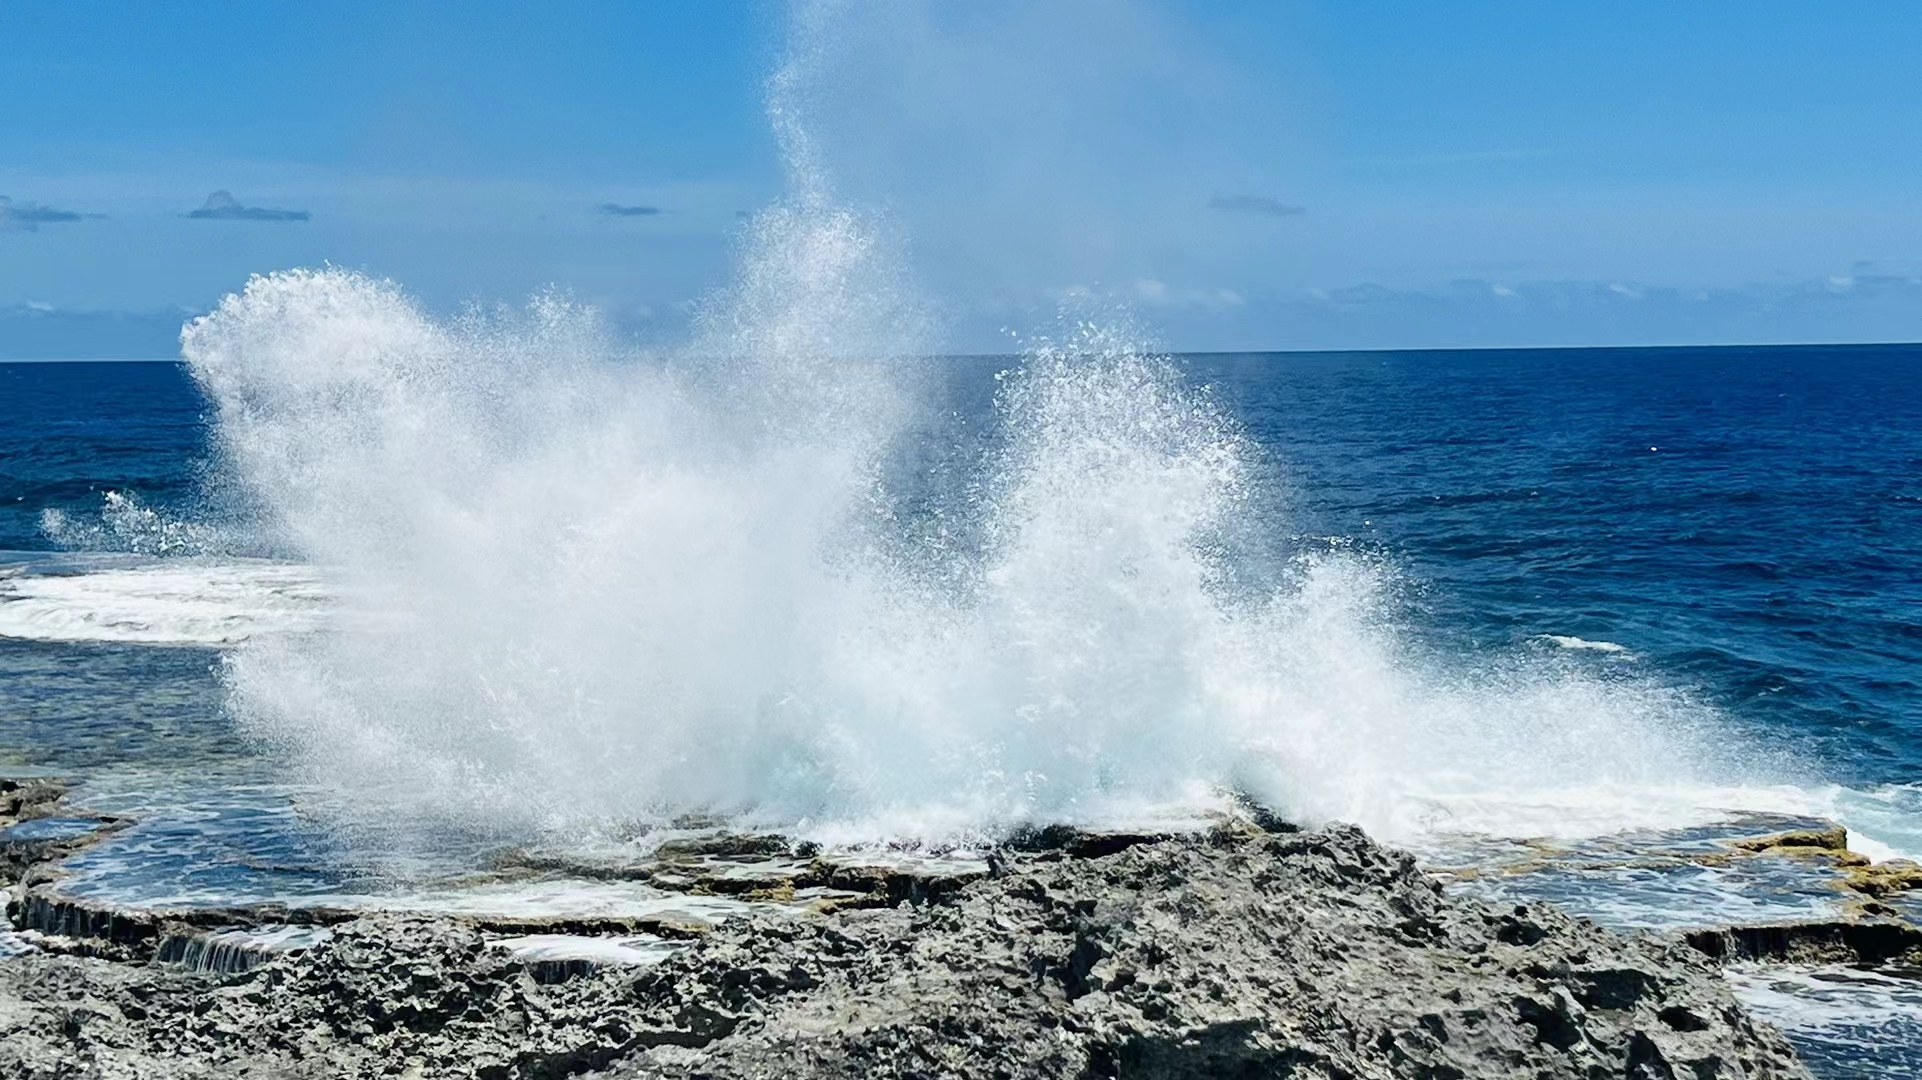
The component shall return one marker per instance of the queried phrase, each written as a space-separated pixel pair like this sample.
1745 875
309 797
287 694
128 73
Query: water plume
589 586
619 588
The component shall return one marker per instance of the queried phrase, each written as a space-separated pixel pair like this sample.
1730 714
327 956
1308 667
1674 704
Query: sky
1237 175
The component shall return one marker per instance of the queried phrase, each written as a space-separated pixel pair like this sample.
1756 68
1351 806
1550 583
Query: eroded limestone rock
1242 952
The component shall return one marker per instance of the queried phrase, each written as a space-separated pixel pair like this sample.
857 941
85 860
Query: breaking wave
171 602
625 588
742 577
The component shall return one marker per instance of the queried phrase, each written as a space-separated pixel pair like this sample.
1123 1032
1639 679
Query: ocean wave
633 591
1884 821
169 602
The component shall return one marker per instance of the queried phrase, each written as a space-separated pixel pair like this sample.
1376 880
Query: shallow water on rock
1856 1022
1847 1023
51 828
1657 880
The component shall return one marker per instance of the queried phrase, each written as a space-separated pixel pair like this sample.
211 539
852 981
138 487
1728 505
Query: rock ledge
1242 953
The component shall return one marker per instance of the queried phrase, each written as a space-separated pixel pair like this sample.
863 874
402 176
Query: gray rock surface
32 830
1238 954
1304 955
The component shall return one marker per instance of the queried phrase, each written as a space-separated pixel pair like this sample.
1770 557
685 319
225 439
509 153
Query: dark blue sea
1739 526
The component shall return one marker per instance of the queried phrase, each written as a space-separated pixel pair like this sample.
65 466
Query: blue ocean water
1748 521
70 432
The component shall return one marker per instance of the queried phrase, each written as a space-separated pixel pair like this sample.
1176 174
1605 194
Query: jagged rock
1239 953
376 997
1305 955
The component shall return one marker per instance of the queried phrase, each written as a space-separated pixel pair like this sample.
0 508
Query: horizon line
1377 351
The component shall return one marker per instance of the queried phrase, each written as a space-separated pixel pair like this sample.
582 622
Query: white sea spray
615 587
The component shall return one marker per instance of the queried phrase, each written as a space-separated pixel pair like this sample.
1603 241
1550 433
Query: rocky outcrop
1307 955
1831 844
1243 953
380 997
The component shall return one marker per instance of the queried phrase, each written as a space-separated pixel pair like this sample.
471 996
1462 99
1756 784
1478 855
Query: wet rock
1241 952
886 884
1317 954
23 799
36 830
728 844
1885 878
773 869
1831 843
1082 843
1837 941
1832 840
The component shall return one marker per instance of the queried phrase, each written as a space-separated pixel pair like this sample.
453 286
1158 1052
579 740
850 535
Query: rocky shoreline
1253 949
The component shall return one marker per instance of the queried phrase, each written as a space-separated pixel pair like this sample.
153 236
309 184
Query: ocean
1471 599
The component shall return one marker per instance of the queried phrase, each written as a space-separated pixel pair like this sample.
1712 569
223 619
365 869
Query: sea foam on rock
1240 952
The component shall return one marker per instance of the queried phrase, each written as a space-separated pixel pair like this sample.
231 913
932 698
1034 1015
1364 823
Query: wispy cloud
1261 205
29 216
618 210
222 206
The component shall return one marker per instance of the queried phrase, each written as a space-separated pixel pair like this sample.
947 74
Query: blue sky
1241 175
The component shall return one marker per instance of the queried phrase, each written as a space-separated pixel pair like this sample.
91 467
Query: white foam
1884 822
125 524
618 594
640 951
173 602
1564 641
1811 998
